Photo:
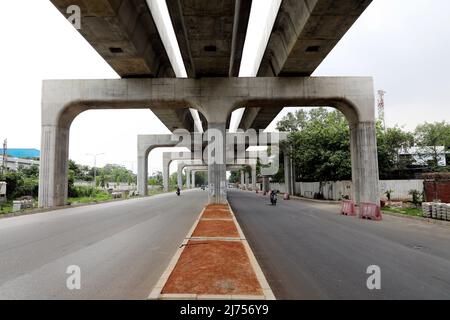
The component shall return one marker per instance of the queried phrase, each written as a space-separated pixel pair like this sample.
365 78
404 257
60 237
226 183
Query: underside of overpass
211 35
205 41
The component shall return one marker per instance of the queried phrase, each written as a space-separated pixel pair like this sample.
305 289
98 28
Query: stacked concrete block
427 208
447 211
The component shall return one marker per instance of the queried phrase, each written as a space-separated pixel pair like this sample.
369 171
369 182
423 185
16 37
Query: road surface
122 248
308 251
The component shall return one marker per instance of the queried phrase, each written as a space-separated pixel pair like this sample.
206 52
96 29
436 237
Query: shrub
416 197
388 194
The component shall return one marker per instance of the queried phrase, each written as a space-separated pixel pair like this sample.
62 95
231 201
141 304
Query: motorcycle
273 198
178 192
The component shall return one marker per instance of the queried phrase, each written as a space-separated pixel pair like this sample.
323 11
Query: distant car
203 187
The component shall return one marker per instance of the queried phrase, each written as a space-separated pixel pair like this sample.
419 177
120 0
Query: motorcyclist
178 191
273 197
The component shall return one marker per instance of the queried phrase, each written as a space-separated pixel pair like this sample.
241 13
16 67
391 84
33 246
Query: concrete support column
142 178
288 174
53 171
247 180
364 162
254 177
180 177
266 184
166 176
216 150
193 179
242 179
188 179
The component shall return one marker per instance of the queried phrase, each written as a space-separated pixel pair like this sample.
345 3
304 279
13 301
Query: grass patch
99 197
414 212
6 207
155 192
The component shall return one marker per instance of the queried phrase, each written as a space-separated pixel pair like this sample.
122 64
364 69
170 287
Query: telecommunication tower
381 116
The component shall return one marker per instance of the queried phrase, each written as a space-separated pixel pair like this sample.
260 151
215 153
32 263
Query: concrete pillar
53 171
216 150
288 174
364 162
166 175
188 179
254 177
247 180
193 179
180 177
142 178
242 179
266 184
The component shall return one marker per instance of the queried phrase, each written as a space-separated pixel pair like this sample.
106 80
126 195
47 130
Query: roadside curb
69 206
418 219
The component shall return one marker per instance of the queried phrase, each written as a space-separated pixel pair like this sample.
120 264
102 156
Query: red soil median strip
213 268
216 214
215 261
216 228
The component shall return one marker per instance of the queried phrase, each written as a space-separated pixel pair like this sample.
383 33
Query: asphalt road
308 251
122 248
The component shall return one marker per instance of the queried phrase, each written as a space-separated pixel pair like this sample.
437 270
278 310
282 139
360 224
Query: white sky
403 44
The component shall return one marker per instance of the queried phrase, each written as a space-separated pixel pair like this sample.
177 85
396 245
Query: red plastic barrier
348 208
370 211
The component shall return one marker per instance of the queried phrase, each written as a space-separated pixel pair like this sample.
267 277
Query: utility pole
95 164
381 114
5 155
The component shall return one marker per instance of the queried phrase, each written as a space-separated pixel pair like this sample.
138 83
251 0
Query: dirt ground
216 228
213 267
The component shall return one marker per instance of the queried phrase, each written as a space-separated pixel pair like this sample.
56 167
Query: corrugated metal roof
22 153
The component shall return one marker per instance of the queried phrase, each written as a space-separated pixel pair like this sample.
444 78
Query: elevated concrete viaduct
211 36
168 157
215 98
193 167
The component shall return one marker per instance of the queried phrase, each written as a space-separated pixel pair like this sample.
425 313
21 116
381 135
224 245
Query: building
421 156
20 158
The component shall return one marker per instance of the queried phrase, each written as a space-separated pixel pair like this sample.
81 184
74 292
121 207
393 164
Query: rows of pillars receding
63 100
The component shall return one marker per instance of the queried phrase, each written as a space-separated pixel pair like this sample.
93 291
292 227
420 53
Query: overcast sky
403 44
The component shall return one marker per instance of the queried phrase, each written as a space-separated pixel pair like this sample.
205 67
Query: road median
213 262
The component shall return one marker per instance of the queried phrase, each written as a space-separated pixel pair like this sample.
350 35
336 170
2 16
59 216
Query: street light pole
95 164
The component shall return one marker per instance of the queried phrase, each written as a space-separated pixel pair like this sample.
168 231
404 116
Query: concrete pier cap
215 98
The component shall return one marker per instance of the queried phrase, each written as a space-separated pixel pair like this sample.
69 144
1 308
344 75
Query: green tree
429 137
293 121
321 147
156 179
390 144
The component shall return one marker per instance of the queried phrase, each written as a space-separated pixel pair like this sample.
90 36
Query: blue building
22 153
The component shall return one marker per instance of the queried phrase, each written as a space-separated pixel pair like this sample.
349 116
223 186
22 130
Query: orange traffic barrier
348 208
370 211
